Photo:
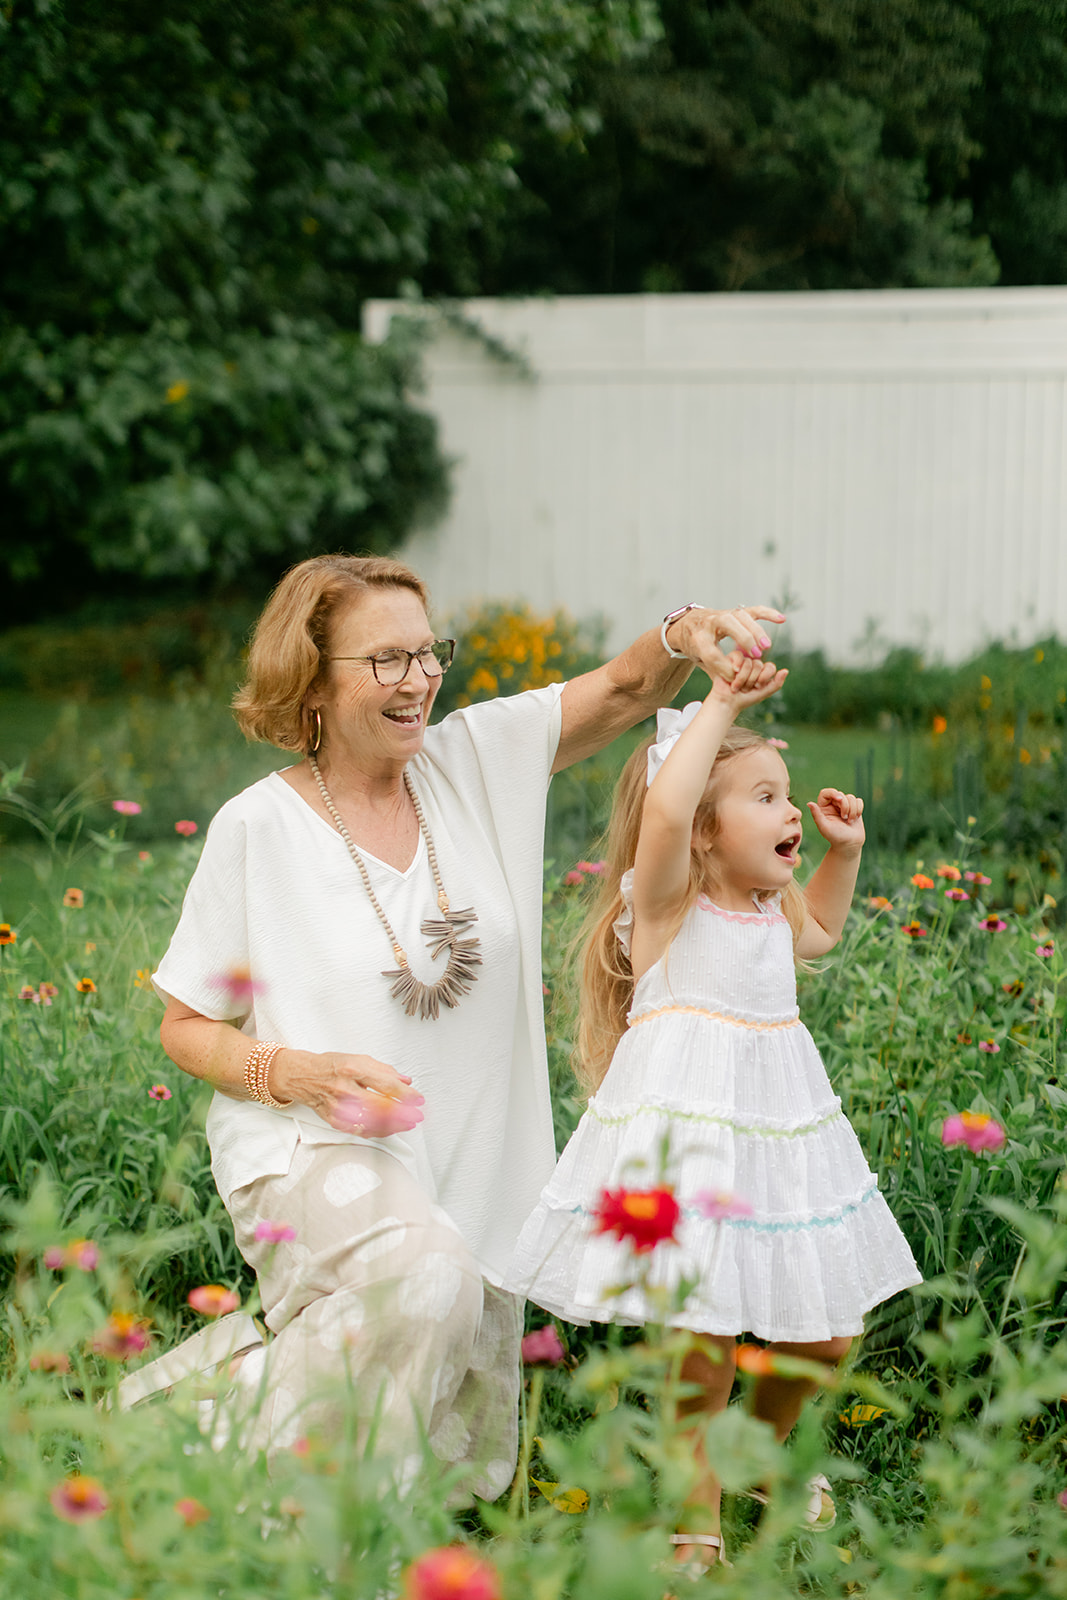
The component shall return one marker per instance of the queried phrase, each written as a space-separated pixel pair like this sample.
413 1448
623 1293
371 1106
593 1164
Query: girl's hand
839 818
700 632
752 682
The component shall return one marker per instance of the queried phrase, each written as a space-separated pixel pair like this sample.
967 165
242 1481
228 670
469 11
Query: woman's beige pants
378 1305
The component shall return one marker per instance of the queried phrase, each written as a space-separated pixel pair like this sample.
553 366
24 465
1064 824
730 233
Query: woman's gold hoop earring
316 730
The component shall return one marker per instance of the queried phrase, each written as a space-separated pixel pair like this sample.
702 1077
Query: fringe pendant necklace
442 933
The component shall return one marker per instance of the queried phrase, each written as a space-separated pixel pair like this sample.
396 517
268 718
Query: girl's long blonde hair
606 977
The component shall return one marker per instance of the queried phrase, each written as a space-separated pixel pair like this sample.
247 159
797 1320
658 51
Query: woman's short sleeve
207 962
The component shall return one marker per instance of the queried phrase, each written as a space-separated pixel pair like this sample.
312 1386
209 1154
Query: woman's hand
752 681
698 634
839 818
353 1093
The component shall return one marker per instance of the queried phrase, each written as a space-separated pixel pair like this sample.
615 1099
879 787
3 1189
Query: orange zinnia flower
6 935
74 899
85 986
940 724
921 881
212 1300
755 1360
952 873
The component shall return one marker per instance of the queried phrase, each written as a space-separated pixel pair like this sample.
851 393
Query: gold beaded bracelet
257 1073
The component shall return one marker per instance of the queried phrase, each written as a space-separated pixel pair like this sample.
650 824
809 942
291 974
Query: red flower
543 1348
212 1300
451 1573
647 1217
185 828
572 877
78 1499
191 1511
914 930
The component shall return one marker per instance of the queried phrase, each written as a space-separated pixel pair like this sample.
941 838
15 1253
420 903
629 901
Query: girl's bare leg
713 1379
780 1401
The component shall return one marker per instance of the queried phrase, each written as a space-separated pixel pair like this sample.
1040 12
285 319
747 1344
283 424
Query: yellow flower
987 683
177 391
143 978
1024 757
1039 655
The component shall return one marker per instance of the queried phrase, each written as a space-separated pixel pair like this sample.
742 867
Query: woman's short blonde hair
285 657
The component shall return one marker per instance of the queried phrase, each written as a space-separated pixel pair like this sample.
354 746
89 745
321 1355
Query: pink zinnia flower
978 877
974 1129
719 1206
126 808
212 1300
240 987
778 744
185 828
81 1253
376 1115
78 1499
47 992
191 1511
572 877
956 894
28 992
123 1335
992 923
1045 950
275 1232
451 1573
595 868
989 1047
159 1091
914 930
543 1348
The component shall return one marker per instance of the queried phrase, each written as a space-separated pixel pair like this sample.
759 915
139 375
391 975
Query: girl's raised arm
839 818
661 866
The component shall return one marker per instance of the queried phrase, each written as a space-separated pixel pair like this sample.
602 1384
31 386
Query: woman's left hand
839 818
699 633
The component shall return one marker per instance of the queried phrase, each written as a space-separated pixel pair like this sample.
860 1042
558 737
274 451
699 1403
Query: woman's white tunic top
276 892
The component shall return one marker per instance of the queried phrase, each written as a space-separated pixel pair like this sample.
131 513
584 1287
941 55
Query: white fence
891 460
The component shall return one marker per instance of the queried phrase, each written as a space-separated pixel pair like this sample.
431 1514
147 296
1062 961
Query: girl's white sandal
201 1354
711 1542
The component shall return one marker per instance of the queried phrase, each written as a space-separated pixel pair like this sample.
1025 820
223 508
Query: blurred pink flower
778 744
974 1129
159 1091
275 1232
126 808
78 1499
80 1253
144 855
992 923
1062 1498
50 1361
212 1300
543 1348
595 868
241 989
1045 950
123 1335
979 878
989 1047
28 992
48 992
572 877
55 1257
377 1115
191 1511
185 828
719 1206
956 894
452 1572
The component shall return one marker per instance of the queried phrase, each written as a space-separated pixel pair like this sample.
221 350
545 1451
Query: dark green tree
195 201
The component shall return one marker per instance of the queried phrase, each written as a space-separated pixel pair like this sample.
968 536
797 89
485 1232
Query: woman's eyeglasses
391 667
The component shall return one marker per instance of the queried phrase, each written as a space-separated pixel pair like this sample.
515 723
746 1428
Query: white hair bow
670 725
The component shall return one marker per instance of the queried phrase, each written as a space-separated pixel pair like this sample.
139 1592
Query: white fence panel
892 461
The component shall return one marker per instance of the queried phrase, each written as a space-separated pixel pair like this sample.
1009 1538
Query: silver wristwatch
672 616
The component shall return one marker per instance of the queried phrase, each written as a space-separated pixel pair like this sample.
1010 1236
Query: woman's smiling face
372 724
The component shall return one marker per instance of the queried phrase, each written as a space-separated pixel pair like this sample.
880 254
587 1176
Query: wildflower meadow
941 1019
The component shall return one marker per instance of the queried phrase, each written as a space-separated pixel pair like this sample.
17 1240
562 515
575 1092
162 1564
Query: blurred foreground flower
451 1573
914 930
956 894
275 1232
989 1047
979 878
1045 950
185 828
778 744
975 1129
159 1091
80 1253
543 1348
755 1360
191 1511
992 923
939 724
718 1206
953 874
123 1335
646 1217
878 902
212 1300
921 881
239 986
78 1499
377 1115
49 1361
126 808
73 899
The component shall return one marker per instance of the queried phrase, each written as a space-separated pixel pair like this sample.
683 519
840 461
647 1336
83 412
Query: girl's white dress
718 1072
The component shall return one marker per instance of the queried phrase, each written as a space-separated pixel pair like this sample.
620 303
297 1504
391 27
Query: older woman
357 972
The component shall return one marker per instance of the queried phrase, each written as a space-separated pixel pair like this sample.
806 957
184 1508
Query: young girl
690 1041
